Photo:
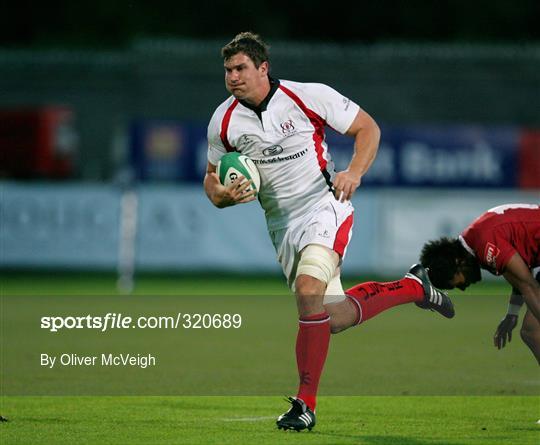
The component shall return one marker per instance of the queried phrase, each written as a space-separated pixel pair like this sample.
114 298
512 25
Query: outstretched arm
221 196
509 322
366 135
519 276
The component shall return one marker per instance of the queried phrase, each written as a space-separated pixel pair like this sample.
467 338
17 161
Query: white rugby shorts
329 225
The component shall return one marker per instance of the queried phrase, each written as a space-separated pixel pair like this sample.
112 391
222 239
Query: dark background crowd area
105 23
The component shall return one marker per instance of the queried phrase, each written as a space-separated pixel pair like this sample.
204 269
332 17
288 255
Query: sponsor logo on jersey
346 102
491 254
254 142
273 150
281 158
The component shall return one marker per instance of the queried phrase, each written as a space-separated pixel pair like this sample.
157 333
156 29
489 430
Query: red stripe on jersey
318 124
342 235
225 126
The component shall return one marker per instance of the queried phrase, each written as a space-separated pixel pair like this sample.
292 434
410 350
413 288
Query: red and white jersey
495 236
285 138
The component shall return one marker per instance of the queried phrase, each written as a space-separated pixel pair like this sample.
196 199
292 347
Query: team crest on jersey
491 254
287 127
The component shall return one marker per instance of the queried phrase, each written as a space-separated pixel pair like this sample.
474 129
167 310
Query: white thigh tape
318 262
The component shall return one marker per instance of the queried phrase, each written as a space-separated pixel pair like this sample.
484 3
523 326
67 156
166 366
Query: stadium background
81 125
103 112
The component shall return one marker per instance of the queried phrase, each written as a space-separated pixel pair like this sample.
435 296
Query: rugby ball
232 165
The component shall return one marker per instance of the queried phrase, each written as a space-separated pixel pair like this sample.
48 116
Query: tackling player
279 124
505 241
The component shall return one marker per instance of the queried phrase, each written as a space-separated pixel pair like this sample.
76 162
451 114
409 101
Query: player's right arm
221 196
519 276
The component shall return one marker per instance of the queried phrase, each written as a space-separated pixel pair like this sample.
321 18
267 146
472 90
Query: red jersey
495 236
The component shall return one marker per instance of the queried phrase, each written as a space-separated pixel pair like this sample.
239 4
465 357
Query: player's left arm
366 135
519 276
503 333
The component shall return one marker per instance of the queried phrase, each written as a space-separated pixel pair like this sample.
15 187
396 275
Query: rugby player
505 241
280 125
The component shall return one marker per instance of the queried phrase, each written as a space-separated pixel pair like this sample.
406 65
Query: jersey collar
466 246
274 85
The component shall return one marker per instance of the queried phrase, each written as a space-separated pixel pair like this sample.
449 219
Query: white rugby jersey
285 138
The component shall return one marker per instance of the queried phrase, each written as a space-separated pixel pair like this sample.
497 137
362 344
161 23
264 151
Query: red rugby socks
311 351
372 298
313 338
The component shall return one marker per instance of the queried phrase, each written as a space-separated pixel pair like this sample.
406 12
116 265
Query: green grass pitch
407 377
250 420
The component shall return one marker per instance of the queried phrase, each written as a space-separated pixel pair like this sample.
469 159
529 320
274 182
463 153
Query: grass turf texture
403 352
250 420
80 283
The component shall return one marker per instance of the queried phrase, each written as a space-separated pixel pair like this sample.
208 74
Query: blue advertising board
409 156
438 156
161 150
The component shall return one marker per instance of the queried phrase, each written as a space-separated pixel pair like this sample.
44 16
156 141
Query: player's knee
308 286
309 295
315 270
317 262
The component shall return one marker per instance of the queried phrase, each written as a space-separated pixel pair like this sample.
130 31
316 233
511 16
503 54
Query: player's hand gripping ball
233 165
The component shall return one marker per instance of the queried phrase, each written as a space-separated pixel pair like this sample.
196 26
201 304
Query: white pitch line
247 419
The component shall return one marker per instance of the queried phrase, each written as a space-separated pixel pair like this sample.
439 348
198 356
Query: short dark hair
441 257
248 43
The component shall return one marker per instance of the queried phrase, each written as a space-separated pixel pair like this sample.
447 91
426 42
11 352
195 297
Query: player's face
244 80
459 281
468 273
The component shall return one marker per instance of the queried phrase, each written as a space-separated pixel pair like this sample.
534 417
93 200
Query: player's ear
263 68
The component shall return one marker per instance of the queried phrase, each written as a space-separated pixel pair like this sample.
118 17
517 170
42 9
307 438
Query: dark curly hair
441 257
248 43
